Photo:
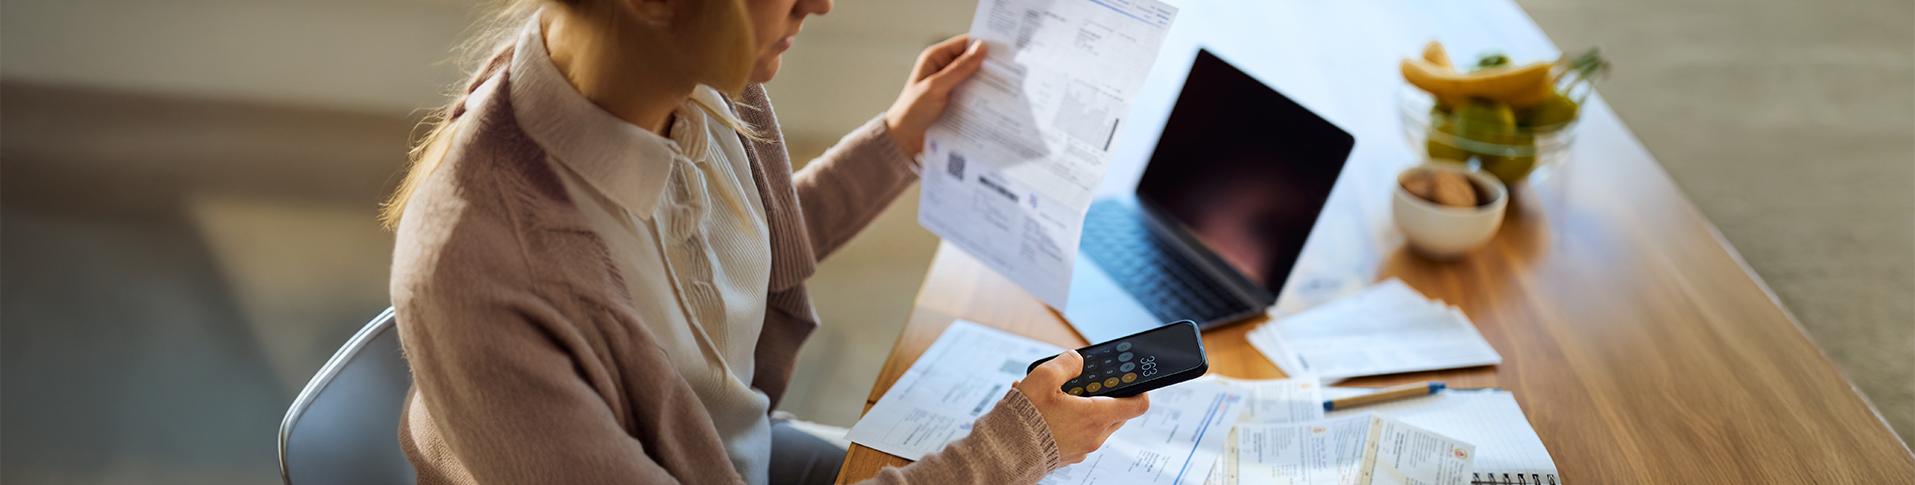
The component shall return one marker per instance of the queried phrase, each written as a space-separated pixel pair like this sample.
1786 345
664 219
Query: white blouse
685 224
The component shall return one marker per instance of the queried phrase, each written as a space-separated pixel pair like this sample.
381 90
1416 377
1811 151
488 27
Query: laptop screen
1244 170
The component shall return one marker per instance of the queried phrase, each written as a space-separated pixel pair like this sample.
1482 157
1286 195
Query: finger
934 62
960 69
946 50
1052 374
1132 407
1120 409
939 55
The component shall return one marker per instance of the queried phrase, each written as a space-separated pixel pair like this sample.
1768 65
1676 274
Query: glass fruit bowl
1510 150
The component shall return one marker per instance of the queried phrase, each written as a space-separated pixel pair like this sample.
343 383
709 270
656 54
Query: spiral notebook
1507 449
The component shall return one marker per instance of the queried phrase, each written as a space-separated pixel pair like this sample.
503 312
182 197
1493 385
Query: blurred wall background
187 191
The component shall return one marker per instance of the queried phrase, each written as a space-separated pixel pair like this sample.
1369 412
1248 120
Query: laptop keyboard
1164 280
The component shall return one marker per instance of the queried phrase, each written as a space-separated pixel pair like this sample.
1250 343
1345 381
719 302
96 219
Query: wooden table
1641 347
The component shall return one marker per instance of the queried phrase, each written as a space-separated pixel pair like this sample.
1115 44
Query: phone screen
1140 362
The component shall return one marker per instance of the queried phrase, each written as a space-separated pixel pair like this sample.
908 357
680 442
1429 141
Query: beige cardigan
528 364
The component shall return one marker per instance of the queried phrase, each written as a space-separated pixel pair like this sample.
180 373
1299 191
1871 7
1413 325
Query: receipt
1178 441
971 366
955 382
1386 329
1401 454
1354 450
1011 168
1271 401
1283 400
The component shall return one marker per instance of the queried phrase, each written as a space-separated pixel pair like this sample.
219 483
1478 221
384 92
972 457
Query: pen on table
1405 391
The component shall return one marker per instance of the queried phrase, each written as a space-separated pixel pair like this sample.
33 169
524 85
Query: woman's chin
766 68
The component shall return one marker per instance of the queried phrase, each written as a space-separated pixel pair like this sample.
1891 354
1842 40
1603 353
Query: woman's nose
816 7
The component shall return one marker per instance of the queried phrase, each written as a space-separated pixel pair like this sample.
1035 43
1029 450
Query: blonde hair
720 23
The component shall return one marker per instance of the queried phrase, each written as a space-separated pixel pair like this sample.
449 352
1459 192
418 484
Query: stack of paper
1284 438
1386 329
1209 430
1179 441
934 404
1271 401
1360 450
1507 448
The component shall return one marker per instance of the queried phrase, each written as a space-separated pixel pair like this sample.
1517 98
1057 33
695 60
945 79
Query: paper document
964 373
1178 442
957 380
1282 400
1355 450
1386 329
1271 401
1507 448
1010 169
969 367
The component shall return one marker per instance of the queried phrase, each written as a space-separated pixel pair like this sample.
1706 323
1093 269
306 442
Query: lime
1512 168
1551 114
1440 142
1493 125
1482 120
1491 59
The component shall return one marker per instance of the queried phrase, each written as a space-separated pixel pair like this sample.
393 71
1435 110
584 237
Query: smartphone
1140 362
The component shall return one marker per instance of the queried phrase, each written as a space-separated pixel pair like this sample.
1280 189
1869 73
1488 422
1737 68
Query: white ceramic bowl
1445 232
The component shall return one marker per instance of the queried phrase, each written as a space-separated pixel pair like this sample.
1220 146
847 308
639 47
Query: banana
1434 53
1532 96
1503 84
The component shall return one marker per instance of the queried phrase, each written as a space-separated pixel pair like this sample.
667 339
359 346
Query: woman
601 253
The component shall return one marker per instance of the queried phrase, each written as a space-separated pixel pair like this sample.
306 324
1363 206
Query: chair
344 426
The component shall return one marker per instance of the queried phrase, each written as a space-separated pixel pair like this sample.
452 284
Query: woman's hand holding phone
940 69
1080 425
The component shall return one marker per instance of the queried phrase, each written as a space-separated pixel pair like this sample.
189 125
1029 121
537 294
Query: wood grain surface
1639 344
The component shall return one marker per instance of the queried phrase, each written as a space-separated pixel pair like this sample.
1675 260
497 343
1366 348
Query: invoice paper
957 380
1357 450
1506 446
1283 400
1177 442
1271 401
1387 329
963 374
1011 168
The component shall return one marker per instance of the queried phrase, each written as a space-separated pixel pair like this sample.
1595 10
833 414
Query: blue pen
1405 391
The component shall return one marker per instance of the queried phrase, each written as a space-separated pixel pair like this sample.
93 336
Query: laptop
1219 217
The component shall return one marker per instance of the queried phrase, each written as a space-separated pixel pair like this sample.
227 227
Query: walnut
1440 187
1452 189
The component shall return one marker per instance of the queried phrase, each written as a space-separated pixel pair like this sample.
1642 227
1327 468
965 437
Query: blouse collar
625 162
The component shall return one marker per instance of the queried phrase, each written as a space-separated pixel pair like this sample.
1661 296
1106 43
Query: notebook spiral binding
1513 479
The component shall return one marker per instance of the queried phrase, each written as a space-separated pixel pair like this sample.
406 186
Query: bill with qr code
1011 168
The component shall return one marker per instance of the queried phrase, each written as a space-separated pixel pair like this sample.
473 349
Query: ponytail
493 46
